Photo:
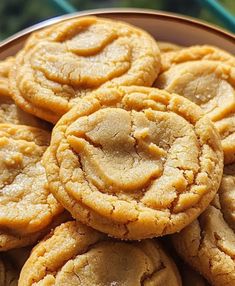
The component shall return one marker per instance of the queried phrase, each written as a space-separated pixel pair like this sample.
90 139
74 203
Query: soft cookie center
118 149
93 56
108 264
206 90
206 84
126 151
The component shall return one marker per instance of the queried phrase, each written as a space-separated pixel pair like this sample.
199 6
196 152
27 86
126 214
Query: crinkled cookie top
209 242
134 162
211 85
75 254
9 112
26 205
67 61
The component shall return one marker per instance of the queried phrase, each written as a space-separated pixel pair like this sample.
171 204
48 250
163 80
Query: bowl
162 26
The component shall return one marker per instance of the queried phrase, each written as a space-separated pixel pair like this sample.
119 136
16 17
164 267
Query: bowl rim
137 12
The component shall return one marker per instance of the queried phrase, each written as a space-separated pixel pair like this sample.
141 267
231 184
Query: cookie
189 276
9 112
226 128
134 162
211 85
26 205
75 254
64 62
195 53
208 244
8 273
168 47
14 241
4 71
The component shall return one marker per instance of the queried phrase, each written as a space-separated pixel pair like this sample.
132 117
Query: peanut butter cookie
189 276
75 254
226 128
5 67
26 205
9 112
10 240
195 53
64 62
134 162
211 85
209 242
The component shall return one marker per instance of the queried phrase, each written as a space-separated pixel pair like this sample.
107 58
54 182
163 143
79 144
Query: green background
16 15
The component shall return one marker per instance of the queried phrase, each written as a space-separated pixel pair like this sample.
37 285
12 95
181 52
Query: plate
162 26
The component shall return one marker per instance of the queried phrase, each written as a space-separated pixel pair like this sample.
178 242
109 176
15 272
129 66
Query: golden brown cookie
26 205
64 62
195 53
8 273
211 85
134 162
226 128
11 240
168 47
208 244
75 254
5 67
189 276
9 112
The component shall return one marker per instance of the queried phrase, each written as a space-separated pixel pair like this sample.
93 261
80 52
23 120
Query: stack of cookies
117 157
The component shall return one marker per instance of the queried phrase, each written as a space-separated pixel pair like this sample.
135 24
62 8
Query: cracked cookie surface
211 85
26 205
64 62
75 254
208 244
9 112
134 162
